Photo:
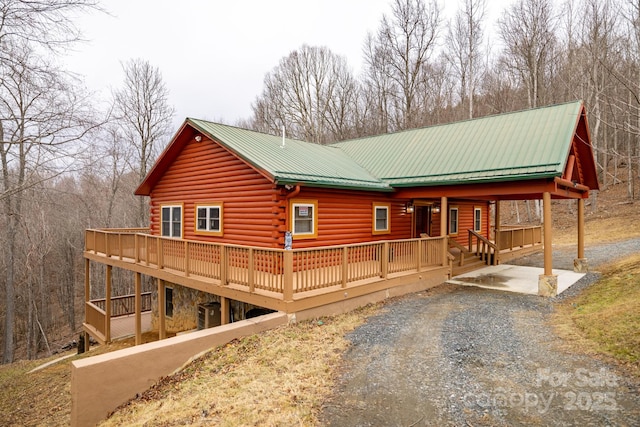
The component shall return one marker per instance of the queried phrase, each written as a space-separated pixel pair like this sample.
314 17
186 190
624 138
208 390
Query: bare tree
42 119
396 57
144 116
312 93
46 23
464 43
527 29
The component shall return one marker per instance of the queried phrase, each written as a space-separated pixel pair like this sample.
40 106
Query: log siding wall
346 217
466 219
205 172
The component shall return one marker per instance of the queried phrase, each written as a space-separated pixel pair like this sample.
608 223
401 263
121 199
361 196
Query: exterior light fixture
198 138
409 208
435 209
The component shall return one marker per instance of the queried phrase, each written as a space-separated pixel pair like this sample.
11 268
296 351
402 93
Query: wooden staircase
476 256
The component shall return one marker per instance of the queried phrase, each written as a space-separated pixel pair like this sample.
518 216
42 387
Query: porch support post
547 282
87 298
496 236
162 329
224 310
443 230
107 305
580 264
138 308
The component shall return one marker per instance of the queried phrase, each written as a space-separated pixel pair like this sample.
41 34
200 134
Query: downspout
288 197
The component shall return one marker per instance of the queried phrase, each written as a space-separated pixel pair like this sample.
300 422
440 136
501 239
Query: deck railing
96 317
511 237
124 305
483 248
286 272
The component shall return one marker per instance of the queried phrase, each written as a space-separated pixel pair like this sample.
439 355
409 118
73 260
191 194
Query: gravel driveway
464 356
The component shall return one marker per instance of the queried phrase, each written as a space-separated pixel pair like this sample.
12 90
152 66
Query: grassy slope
279 377
605 318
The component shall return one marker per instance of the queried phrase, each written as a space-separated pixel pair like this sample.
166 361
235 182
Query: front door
423 221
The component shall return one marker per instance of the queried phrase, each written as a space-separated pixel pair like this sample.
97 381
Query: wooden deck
125 326
283 280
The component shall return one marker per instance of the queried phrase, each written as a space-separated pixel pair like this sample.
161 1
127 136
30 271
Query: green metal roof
296 161
514 146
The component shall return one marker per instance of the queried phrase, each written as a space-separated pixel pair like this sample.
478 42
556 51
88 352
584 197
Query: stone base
548 285
580 265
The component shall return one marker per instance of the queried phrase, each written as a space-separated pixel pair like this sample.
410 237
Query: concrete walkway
514 278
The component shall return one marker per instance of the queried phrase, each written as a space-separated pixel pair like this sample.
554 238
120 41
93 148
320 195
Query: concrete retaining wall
101 383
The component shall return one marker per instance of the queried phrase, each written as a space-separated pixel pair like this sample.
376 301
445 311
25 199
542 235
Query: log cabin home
244 222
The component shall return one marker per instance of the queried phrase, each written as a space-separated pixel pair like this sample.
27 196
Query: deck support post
443 230
138 308
107 305
384 259
496 237
580 264
162 330
87 298
287 294
224 310
547 282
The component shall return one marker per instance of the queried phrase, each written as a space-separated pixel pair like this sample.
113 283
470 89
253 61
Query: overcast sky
213 55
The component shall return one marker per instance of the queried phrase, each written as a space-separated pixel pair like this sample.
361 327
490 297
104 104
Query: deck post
107 305
160 260
384 258
345 266
223 265
138 310
250 272
147 252
186 258
87 298
419 255
224 310
547 282
580 264
162 331
87 280
443 230
498 229
136 249
288 276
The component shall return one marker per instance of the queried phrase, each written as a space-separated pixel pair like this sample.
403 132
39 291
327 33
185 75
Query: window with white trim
171 219
453 220
381 218
209 219
304 219
477 219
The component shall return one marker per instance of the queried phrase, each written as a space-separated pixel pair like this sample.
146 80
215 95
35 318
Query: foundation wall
100 384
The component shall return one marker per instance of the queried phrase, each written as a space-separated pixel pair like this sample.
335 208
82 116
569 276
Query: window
171 221
304 219
453 221
381 218
168 302
209 219
477 219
